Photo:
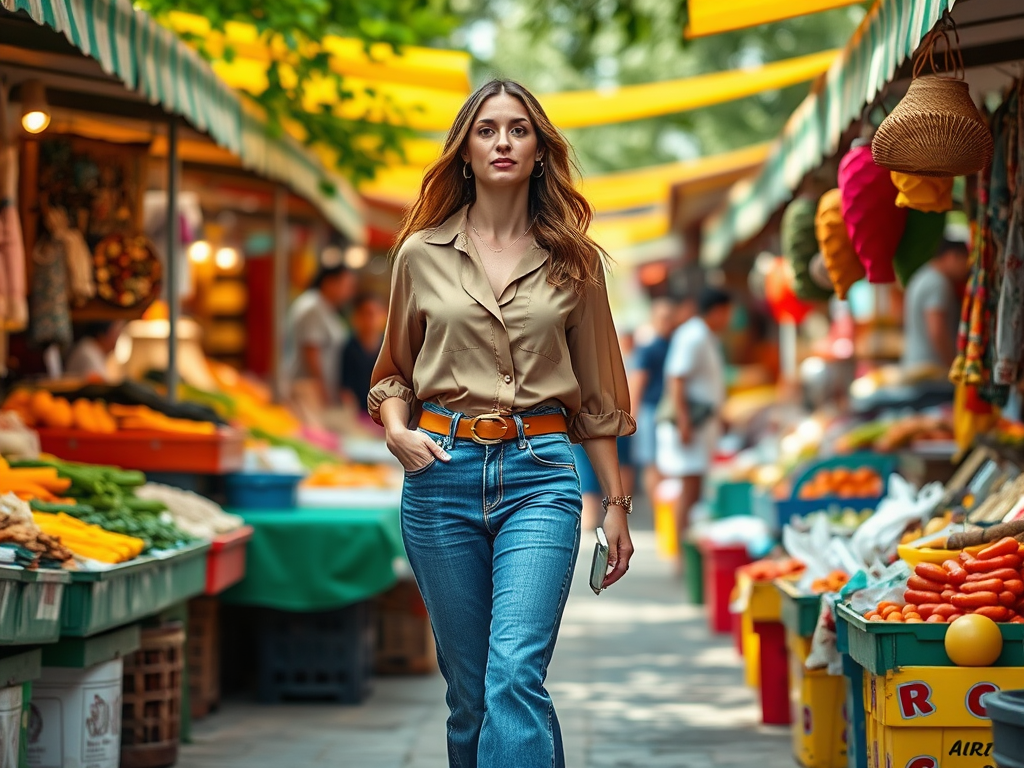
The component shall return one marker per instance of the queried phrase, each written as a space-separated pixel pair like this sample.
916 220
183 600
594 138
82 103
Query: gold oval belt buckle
495 417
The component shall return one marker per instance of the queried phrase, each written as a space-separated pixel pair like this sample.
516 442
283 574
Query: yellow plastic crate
937 697
932 747
819 709
765 602
932 717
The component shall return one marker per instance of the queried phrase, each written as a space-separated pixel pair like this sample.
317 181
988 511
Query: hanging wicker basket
935 130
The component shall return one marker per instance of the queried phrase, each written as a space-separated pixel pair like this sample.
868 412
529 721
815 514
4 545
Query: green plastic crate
693 567
30 605
881 647
83 652
799 612
728 498
100 600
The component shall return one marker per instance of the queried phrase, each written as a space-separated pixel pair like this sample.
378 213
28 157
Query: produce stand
30 605
318 559
149 451
881 648
101 600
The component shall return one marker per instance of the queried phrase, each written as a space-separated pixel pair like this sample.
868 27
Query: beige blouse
451 342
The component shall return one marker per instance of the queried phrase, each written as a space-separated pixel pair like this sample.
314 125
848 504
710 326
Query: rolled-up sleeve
403 339
597 363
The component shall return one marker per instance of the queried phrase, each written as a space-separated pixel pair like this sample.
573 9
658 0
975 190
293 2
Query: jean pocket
421 470
552 451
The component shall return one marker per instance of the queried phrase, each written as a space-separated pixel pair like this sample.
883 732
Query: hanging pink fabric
873 220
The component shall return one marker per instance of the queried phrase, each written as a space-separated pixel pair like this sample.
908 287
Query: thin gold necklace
499 250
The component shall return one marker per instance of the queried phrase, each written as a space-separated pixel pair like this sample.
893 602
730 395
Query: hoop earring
466 172
538 175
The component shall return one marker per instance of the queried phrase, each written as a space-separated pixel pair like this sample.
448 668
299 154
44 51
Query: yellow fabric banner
712 17
436 68
609 193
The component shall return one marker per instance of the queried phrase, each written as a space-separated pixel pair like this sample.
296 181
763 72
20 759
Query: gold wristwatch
626 502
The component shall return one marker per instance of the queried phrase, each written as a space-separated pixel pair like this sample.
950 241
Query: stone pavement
637 682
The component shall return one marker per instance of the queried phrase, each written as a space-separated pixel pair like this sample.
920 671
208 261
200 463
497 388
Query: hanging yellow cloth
971 416
712 17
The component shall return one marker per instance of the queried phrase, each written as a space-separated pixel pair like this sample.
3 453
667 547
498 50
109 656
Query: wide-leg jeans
492 537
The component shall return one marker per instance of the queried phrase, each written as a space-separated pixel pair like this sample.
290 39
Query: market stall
910 589
114 550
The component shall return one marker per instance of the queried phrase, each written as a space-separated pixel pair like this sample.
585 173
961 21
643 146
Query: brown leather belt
493 428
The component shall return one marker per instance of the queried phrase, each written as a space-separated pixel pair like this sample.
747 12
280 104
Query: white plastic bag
877 537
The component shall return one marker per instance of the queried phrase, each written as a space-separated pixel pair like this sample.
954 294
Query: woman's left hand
620 546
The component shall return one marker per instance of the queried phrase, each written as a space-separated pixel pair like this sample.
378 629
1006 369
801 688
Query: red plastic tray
225 562
149 451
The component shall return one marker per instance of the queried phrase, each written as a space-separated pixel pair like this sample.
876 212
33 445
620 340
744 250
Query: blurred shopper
689 421
369 318
90 357
314 337
931 309
647 384
500 341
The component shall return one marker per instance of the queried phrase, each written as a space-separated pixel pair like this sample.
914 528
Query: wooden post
281 279
173 256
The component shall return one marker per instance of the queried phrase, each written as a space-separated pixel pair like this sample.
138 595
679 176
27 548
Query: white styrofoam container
75 718
10 726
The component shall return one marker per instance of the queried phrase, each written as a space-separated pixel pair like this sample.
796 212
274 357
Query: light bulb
35 122
226 258
199 252
35 111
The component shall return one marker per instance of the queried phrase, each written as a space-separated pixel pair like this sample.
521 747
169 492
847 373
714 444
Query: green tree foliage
361 145
560 44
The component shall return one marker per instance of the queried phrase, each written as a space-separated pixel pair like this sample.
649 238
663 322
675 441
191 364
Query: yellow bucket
665 497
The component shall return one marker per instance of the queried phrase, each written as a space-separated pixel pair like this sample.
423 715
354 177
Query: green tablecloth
318 559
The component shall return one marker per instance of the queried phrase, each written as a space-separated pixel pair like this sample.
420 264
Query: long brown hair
562 214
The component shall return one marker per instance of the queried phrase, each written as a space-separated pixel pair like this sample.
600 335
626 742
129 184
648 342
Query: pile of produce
887 436
89 541
106 496
42 483
23 543
310 456
349 476
843 483
834 582
770 570
990 584
42 409
194 514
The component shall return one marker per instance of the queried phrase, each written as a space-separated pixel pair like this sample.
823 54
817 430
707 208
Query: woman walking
500 347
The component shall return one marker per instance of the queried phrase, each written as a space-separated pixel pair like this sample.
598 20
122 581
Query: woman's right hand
414 449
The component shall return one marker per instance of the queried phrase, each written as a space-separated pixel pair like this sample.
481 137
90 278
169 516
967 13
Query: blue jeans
492 537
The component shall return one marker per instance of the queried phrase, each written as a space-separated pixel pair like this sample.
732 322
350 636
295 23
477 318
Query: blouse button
508 379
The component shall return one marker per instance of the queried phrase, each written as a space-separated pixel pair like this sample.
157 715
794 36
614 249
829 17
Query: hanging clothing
50 319
13 285
1010 312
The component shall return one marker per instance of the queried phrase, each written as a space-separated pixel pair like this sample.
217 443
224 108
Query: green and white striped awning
154 62
889 34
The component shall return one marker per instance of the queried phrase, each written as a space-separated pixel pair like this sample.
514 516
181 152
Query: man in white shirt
694 393
314 337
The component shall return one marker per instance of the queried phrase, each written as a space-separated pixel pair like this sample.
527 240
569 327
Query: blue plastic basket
262 491
778 512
